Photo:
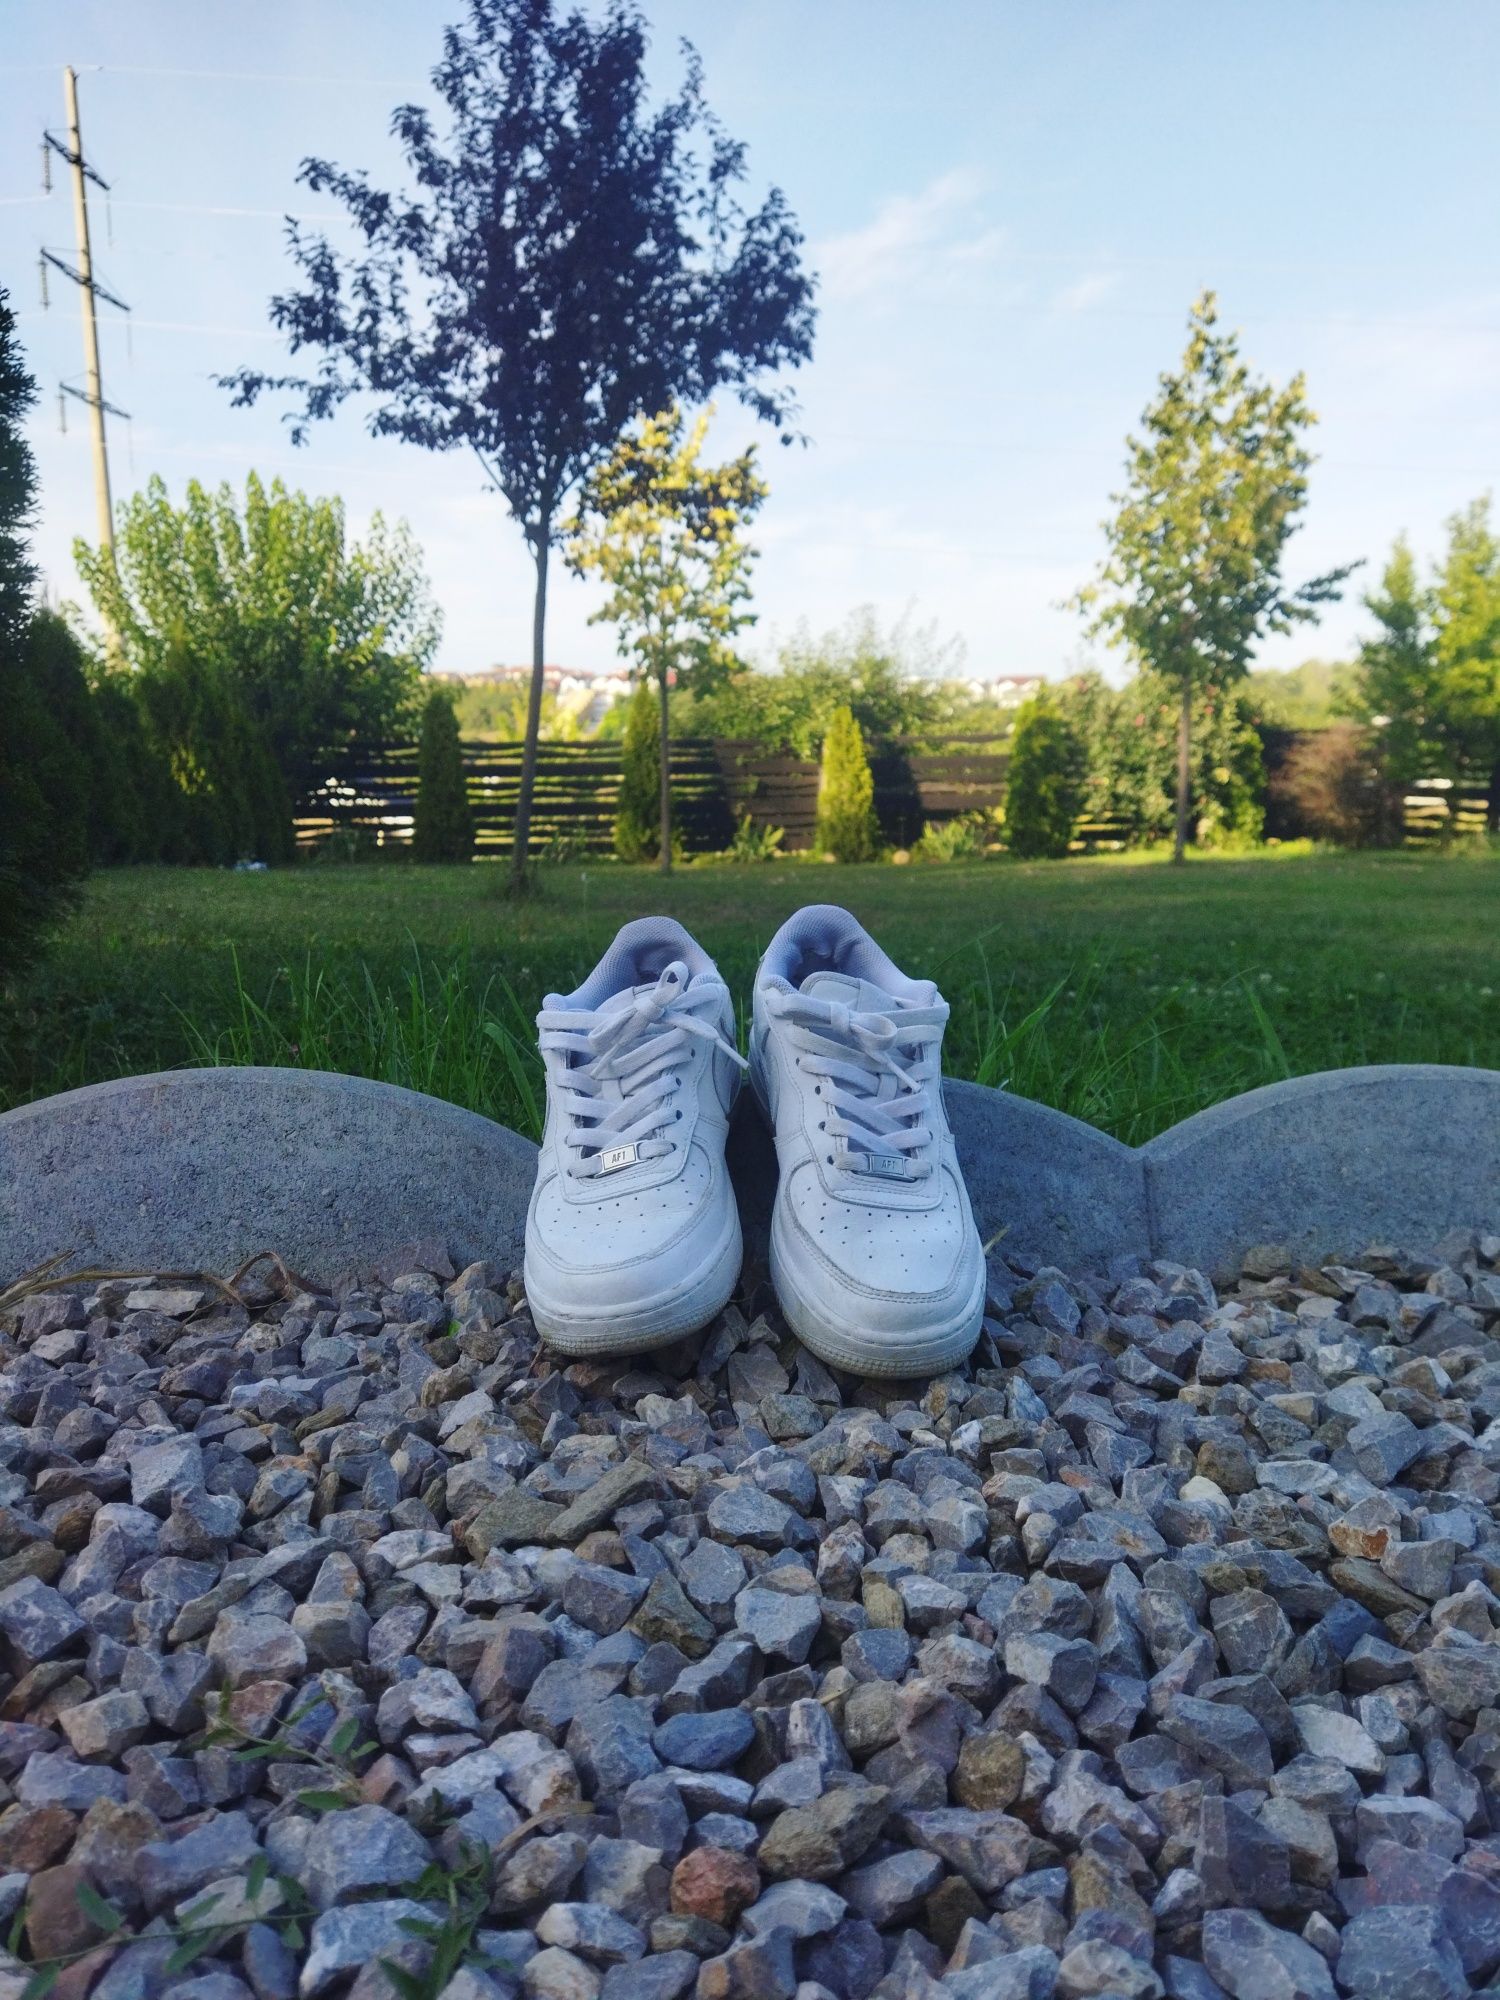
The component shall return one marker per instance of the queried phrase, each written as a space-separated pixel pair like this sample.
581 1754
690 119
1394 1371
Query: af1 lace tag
610 1162
888 1166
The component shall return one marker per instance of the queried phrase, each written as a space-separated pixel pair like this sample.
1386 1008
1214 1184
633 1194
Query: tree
1466 650
846 793
228 802
43 845
1214 490
1305 697
319 639
444 829
1335 787
1044 786
663 531
572 260
1129 737
1395 689
637 815
897 683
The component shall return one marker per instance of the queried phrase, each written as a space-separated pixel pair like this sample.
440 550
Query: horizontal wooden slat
371 790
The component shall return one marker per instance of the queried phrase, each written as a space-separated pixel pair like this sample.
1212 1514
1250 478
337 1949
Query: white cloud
1086 291
910 233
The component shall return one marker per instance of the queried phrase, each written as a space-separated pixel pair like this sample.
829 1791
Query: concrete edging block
198 1169
1061 1191
1327 1164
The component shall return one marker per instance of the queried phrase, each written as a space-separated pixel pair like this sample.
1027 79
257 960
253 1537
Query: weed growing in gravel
336 1759
275 1899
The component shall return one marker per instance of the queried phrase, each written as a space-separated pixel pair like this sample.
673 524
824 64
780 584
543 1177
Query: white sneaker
633 1237
874 1253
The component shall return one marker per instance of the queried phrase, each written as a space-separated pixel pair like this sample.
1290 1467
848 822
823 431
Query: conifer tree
444 829
846 792
637 820
43 846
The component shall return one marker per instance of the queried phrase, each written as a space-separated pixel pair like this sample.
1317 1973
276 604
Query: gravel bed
351 1645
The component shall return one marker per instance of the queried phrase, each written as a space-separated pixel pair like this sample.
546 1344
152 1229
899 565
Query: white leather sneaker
874 1253
633 1237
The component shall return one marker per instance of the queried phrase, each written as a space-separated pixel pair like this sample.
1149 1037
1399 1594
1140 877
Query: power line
254 76
271 214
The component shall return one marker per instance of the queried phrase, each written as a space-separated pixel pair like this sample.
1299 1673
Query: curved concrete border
197 1169
1396 1153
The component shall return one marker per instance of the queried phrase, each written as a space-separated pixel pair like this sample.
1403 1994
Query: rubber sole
929 1351
685 1309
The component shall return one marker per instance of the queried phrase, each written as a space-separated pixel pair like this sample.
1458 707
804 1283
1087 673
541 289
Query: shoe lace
616 1073
880 1128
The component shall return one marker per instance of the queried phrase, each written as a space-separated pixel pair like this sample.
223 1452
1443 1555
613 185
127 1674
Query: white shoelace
880 1128
619 1069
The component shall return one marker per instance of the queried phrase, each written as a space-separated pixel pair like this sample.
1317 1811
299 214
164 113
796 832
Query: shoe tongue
859 994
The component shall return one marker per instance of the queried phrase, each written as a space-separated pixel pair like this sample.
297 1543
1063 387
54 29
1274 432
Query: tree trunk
1492 802
664 859
521 837
1184 772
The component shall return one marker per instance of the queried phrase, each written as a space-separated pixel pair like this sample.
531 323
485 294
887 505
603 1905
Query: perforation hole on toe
886 1249
623 1224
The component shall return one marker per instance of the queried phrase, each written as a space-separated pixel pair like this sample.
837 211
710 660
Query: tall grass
1130 996
438 1031
1129 1070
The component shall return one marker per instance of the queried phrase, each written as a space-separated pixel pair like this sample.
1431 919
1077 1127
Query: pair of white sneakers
633 1235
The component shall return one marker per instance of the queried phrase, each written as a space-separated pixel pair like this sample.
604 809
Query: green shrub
846 792
1332 787
1130 744
1045 783
960 839
444 829
638 813
754 843
561 850
347 846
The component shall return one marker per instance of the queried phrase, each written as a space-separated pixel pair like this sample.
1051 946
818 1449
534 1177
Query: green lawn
1127 993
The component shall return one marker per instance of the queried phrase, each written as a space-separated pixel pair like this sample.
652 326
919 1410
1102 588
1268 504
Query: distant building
585 693
1005 690
588 693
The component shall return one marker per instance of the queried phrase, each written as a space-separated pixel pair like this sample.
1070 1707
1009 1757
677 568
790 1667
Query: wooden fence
367 797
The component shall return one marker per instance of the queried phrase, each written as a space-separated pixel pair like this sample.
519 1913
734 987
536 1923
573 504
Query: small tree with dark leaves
573 258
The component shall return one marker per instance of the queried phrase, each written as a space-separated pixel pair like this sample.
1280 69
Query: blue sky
1010 206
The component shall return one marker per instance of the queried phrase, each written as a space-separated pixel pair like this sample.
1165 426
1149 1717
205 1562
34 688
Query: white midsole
682 1309
928 1351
